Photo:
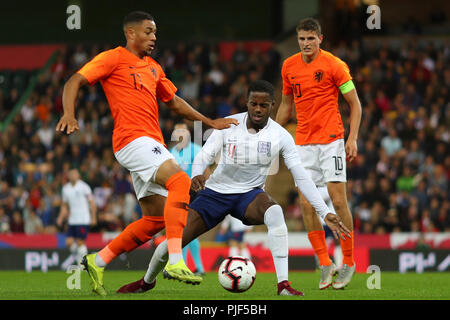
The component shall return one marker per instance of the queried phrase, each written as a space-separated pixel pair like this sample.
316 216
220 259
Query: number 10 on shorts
338 164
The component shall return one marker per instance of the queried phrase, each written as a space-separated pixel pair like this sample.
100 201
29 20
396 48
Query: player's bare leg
263 209
338 195
316 236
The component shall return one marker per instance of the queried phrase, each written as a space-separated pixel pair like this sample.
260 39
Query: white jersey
77 199
246 157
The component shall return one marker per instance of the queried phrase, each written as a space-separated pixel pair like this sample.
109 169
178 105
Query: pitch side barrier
403 252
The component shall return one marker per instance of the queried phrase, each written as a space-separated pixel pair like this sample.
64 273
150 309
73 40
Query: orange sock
347 250
317 239
176 210
134 235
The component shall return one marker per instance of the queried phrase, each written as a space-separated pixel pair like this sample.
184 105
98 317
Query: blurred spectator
391 143
46 134
79 57
190 88
406 181
27 111
43 109
33 224
4 221
16 224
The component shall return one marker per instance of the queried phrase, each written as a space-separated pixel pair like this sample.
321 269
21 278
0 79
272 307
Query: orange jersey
315 88
132 87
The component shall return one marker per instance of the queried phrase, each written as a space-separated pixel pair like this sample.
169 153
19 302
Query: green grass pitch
18 285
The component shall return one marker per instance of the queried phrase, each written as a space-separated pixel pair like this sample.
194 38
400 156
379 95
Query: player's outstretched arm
351 147
181 107
284 112
68 122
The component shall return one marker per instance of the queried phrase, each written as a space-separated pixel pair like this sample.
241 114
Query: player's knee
179 182
274 220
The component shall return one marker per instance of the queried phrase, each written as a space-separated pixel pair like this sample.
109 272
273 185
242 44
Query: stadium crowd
399 181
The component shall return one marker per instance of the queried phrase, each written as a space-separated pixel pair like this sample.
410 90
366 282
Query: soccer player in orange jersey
133 82
312 80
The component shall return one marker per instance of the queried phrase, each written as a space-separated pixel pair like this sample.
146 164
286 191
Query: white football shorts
142 157
324 162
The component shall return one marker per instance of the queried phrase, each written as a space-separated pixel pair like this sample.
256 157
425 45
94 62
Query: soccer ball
237 274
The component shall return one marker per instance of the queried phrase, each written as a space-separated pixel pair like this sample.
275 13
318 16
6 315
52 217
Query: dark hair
309 24
262 86
136 16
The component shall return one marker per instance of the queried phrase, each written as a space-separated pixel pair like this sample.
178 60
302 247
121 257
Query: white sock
99 261
234 251
73 249
175 257
246 253
157 263
278 240
338 256
81 252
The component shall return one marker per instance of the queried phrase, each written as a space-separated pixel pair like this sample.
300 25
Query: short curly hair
309 24
262 86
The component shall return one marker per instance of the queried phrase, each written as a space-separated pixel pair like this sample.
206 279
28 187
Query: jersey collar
312 62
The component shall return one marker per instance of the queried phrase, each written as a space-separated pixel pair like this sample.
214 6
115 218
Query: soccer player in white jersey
236 186
79 207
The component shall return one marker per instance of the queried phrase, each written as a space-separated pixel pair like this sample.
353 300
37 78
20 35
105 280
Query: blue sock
185 250
194 246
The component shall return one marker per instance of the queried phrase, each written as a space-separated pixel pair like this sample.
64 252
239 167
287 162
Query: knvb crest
318 75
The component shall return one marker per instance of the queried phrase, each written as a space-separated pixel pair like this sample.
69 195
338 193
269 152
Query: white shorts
142 157
324 162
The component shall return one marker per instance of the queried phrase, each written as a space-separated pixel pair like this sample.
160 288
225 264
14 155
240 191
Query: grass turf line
20 285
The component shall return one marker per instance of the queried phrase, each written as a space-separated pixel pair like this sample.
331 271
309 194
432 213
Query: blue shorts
214 206
79 231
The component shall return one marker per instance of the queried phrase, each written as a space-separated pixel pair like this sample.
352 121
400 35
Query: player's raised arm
181 107
351 147
284 112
